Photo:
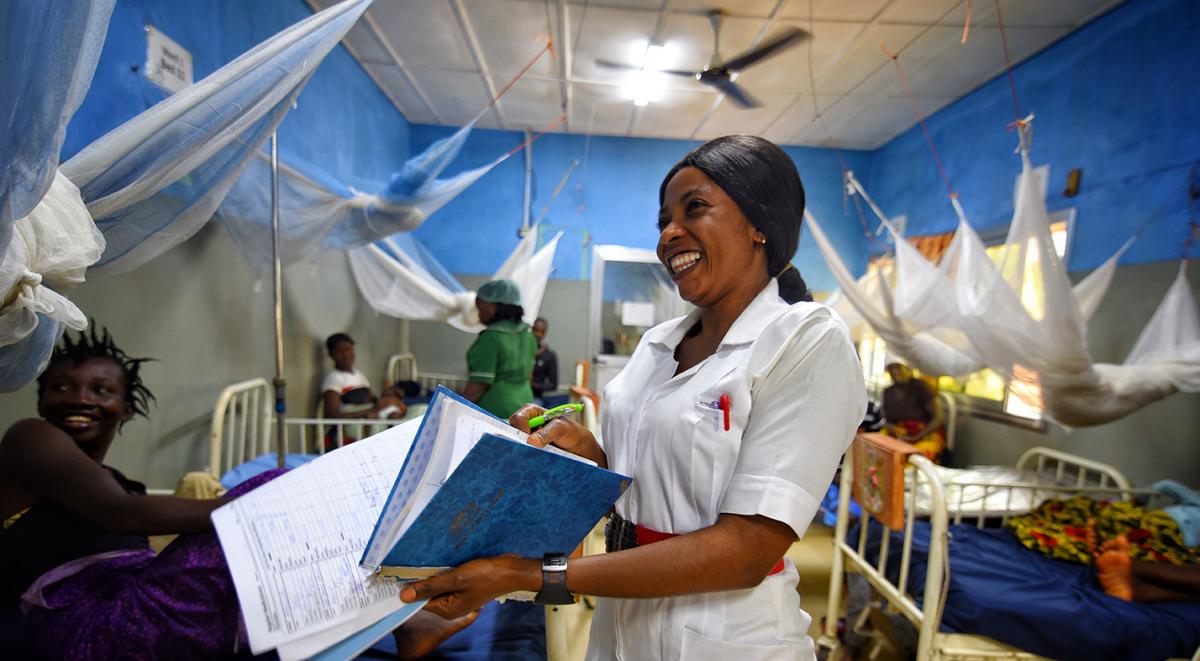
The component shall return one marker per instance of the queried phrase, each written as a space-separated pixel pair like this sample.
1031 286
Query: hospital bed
403 367
965 587
242 443
242 434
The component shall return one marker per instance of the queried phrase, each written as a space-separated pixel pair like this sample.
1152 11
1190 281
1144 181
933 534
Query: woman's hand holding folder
468 587
562 433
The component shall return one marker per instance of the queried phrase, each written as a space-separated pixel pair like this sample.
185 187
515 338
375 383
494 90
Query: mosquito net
142 188
1020 314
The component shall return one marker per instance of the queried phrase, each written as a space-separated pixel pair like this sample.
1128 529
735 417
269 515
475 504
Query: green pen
556 412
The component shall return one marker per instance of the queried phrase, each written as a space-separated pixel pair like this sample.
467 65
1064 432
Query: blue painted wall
611 197
1116 98
343 122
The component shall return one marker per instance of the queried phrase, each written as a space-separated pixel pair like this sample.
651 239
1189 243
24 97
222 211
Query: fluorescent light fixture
647 84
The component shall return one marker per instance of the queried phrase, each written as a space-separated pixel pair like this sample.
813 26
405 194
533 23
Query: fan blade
677 72
785 39
735 93
609 64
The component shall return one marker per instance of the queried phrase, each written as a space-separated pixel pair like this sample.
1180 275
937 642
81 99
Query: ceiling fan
718 72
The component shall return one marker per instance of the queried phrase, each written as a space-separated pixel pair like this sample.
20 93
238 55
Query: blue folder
508 497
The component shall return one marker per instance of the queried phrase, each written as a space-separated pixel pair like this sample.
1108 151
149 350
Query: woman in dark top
73 550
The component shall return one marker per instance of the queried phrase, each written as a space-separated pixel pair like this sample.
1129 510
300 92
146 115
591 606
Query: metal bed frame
1069 475
243 422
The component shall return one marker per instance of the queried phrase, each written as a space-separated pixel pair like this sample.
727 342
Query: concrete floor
813 557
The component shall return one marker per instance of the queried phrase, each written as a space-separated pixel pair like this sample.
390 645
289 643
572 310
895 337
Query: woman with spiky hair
77 577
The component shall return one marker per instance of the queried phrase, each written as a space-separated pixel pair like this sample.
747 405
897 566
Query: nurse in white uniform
731 421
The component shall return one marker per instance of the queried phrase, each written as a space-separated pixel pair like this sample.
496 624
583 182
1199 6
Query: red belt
649 536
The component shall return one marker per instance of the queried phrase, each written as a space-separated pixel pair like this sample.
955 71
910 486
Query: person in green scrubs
500 362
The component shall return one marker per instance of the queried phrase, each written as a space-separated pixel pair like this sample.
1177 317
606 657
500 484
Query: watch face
554 562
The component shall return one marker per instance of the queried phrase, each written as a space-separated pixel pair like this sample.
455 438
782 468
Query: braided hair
89 345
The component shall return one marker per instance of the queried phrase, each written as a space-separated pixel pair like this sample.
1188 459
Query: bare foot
1114 568
423 632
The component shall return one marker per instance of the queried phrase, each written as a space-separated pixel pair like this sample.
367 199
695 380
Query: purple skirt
179 604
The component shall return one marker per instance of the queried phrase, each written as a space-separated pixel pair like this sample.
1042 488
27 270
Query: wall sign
168 64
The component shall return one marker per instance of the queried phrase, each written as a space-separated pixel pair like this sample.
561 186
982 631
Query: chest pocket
711 448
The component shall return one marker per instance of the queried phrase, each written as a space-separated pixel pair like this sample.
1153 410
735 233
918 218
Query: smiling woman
731 420
78 578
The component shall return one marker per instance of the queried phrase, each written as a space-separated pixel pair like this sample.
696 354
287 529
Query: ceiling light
646 85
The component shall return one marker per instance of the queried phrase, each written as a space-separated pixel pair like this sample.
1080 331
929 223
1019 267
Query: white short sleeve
332 382
807 400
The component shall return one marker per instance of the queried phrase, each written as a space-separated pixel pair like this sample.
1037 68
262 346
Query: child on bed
78 580
346 392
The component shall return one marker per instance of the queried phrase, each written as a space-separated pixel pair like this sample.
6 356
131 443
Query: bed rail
1066 475
1066 466
430 381
401 367
310 434
241 425
853 558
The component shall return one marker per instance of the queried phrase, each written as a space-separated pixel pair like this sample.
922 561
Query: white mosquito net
399 279
317 212
147 185
1020 314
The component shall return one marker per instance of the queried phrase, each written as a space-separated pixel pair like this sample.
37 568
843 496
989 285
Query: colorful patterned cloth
1059 528
177 605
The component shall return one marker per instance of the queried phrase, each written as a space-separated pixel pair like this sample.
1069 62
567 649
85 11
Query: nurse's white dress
797 396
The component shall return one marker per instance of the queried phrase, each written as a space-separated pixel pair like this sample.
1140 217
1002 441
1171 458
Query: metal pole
279 382
528 185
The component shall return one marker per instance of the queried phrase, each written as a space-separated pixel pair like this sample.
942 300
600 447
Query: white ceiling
442 61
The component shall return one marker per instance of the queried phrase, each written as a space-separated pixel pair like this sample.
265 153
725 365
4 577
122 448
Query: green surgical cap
500 291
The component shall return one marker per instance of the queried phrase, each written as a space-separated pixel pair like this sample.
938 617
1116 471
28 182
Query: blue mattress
1053 608
261 464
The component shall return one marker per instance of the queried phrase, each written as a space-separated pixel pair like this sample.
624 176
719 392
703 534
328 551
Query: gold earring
761 242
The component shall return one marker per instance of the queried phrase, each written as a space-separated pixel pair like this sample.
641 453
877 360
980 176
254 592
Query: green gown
502 357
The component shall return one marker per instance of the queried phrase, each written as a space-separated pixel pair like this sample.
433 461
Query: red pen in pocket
725 406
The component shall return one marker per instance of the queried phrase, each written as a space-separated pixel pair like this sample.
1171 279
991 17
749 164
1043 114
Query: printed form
293 544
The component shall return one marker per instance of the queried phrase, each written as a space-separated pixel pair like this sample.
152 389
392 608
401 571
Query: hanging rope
534 138
1018 118
547 47
912 102
967 25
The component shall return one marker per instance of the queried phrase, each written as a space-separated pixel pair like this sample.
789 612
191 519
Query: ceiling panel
788 71
611 34
676 116
920 12
400 90
934 42
425 34
749 8
963 67
460 95
858 11
729 118
510 32
863 58
366 45
417 51
621 4
533 103
599 109
1060 13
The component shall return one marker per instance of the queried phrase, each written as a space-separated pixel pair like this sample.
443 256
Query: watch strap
554 581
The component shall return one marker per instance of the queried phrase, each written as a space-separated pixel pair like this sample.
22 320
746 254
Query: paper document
293 544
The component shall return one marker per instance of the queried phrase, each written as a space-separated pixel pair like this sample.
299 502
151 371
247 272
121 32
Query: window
1020 395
